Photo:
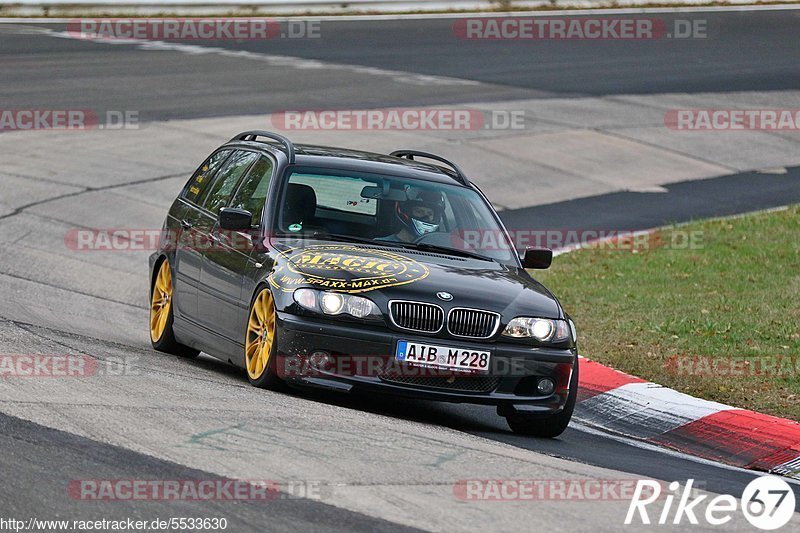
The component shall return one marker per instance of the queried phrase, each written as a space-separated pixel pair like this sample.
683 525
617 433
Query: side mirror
235 219
539 258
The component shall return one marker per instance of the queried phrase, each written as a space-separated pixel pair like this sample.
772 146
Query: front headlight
336 303
360 307
331 303
541 329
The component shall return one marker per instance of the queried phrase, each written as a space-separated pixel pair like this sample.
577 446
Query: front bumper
358 356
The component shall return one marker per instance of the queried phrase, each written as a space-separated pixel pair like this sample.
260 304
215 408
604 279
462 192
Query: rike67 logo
767 502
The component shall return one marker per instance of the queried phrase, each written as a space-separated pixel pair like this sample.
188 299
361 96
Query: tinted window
226 180
252 193
202 177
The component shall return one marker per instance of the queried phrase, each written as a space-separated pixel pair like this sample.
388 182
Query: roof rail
254 134
409 154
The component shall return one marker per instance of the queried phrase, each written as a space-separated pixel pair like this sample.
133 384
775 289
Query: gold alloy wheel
260 334
161 302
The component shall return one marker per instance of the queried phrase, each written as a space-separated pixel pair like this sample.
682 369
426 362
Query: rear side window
199 183
342 193
252 193
226 180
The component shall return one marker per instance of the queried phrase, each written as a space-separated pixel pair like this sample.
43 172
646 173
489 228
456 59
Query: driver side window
252 193
203 176
226 180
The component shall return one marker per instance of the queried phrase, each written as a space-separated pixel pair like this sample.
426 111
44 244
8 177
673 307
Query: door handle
186 224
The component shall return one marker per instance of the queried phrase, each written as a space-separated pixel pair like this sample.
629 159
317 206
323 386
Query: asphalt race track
742 52
594 152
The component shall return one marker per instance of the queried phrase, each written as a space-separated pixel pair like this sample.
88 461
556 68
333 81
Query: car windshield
391 211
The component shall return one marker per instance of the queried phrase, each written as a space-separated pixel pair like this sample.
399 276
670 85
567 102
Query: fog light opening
320 360
546 386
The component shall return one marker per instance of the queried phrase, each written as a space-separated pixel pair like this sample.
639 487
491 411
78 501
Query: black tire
167 343
548 427
269 377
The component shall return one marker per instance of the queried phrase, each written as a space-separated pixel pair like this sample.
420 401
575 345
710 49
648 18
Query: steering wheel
434 237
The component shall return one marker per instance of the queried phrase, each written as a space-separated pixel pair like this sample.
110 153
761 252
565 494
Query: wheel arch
154 271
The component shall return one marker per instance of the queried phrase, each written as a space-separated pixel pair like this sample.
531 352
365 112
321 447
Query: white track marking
789 468
544 13
298 63
646 410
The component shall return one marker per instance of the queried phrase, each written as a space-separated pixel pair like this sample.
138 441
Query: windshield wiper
427 247
348 238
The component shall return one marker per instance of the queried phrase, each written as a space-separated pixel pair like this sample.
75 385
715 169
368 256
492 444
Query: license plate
446 357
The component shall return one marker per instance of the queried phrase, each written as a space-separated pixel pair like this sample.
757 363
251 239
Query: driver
421 214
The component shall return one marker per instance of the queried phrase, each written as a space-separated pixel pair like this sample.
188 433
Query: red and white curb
623 404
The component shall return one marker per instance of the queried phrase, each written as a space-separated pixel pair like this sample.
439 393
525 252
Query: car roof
359 160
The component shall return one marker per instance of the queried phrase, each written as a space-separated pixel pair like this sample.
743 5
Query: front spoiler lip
375 384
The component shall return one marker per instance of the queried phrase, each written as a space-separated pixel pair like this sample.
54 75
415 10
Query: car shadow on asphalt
462 417
476 419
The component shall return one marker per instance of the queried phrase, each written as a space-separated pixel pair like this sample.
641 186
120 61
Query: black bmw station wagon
349 270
